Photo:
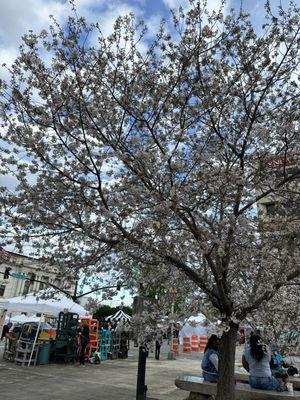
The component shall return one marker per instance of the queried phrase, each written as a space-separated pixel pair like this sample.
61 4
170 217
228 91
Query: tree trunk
226 381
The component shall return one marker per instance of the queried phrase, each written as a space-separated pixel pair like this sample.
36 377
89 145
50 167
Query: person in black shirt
158 343
84 341
5 330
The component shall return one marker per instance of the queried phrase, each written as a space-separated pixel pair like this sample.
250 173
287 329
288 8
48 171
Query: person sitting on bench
277 365
256 361
210 360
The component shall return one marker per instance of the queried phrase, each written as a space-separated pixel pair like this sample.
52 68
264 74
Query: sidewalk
111 380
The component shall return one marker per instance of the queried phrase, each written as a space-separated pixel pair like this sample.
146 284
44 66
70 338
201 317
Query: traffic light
6 273
118 287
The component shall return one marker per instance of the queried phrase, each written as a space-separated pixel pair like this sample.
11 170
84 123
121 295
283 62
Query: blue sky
18 16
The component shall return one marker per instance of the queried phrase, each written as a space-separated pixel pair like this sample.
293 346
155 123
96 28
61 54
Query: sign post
172 293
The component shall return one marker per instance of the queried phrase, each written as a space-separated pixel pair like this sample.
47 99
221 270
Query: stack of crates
24 350
93 345
104 344
115 345
66 337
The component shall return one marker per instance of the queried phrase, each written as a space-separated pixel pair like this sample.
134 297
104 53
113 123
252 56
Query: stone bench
200 390
243 376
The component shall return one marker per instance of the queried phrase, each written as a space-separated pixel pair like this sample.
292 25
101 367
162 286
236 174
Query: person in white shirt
256 360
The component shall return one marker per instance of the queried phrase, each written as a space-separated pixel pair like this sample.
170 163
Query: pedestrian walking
158 343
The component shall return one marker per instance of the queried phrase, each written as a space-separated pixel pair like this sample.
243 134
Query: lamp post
172 292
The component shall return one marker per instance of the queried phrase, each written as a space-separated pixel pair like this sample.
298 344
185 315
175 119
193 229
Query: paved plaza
111 380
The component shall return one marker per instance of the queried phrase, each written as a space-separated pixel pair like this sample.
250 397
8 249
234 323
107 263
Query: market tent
34 303
193 326
118 316
24 319
21 319
37 303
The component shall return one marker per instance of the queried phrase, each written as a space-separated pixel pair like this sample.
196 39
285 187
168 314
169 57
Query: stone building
280 210
32 268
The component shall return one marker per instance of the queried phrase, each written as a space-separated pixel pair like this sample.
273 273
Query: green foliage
104 311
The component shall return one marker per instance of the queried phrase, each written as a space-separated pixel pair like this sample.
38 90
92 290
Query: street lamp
172 292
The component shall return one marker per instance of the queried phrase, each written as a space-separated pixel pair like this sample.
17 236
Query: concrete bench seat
243 376
200 390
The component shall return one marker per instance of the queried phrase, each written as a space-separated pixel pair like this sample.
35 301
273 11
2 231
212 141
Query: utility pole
74 297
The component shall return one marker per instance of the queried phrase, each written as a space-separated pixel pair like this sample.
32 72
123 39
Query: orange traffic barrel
202 343
195 343
186 345
175 346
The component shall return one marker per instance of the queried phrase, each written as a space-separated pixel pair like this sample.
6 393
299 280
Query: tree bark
226 381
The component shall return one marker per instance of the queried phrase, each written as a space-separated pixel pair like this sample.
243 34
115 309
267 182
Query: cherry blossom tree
134 155
279 319
92 305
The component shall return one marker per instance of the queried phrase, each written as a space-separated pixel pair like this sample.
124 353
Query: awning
34 303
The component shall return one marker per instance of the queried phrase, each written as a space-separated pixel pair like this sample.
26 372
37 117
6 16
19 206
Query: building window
26 288
287 208
57 283
44 285
28 284
270 208
2 290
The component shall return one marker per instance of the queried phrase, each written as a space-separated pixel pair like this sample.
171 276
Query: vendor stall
20 319
120 315
119 340
37 303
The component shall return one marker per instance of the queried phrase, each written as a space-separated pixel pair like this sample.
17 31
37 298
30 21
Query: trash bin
44 352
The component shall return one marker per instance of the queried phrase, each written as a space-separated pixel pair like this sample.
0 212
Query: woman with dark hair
256 361
210 360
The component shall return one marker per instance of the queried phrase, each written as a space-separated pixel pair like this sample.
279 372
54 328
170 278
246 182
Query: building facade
282 205
34 269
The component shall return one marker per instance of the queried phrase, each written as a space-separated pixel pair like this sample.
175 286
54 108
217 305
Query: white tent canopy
22 319
118 316
34 303
194 326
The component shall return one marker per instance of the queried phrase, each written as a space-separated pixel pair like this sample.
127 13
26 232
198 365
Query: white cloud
211 4
107 17
214 5
18 17
153 24
7 56
174 4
